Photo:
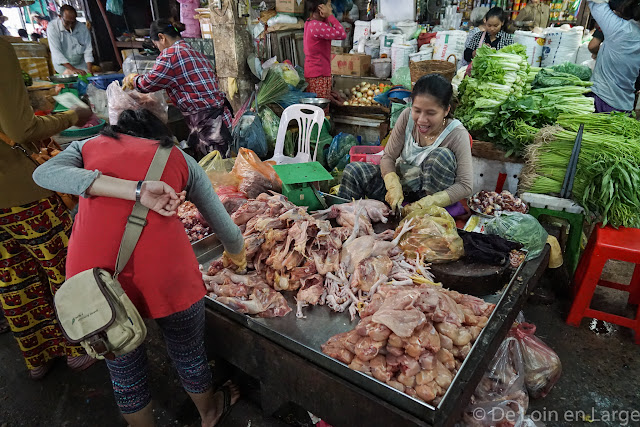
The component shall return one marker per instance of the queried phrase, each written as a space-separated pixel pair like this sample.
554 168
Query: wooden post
113 39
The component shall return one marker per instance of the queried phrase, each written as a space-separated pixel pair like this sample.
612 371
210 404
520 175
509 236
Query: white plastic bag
98 102
120 100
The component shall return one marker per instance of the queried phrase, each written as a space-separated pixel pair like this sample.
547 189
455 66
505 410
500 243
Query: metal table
284 355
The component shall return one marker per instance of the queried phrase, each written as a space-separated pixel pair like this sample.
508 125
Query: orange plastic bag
256 177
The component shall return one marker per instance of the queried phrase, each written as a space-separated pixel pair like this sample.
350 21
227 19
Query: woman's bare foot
233 394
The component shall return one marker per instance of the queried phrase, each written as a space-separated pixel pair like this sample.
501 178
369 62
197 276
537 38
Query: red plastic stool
604 244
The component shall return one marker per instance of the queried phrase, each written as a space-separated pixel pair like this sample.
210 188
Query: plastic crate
366 153
101 82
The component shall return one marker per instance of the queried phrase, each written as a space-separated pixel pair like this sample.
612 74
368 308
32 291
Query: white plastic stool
307 116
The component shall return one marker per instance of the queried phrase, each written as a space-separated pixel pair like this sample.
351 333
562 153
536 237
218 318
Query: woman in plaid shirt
192 85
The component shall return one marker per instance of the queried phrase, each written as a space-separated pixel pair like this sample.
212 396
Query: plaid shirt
188 78
502 40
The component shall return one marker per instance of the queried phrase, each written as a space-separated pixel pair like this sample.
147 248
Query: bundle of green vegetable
549 78
577 70
495 76
608 172
272 89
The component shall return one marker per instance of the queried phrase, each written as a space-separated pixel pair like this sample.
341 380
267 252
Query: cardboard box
37 68
295 7
338 50
351 64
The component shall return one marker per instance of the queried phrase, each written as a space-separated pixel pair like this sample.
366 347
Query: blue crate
101 82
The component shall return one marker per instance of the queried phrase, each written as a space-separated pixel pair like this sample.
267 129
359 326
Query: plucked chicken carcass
247 294
345 214
413 338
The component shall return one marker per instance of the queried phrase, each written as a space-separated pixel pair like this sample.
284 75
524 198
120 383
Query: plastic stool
560 208
604 244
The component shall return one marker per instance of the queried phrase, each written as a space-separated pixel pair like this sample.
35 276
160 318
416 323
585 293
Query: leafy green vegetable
580 71
549 78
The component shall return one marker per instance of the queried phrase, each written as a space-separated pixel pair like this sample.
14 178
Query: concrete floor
600 372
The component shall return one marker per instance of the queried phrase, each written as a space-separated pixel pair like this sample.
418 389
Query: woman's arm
158 78
608 21
472 46
65 173
330 30
200 192
461 147
394 146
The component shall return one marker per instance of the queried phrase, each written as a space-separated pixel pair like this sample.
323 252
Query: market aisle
67 399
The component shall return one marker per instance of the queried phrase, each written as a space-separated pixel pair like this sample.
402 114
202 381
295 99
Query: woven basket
422 68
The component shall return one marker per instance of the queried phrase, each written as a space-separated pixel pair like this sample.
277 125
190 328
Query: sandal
226 408
41 371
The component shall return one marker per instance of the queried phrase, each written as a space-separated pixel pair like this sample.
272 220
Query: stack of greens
608 172
519 118
495 76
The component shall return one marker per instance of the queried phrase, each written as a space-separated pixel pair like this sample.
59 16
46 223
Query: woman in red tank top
162 277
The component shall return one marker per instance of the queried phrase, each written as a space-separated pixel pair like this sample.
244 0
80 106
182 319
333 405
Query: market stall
285 355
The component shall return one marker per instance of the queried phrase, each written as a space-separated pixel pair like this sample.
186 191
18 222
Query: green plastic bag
323 143
520 228
402 76
396 110
338 155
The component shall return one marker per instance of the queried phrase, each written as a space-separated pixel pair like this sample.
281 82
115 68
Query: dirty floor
601 367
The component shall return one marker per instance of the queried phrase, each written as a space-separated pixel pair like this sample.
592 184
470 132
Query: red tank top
162 276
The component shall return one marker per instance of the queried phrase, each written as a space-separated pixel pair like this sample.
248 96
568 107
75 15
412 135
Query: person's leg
361 180
129 377
184 336
438 171
51 228
24 292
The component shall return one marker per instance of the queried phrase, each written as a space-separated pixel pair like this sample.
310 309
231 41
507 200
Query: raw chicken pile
413 338
341 267
492 203
194 224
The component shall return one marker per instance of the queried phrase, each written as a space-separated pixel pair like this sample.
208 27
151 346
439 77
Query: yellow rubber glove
129 81
239 259
394 196
440 198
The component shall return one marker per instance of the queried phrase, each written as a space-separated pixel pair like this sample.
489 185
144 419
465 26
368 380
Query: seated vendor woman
427 158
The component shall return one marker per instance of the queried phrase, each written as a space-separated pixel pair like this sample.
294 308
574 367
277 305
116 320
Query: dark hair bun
179 26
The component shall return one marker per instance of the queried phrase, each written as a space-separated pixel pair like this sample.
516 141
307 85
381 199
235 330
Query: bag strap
137 220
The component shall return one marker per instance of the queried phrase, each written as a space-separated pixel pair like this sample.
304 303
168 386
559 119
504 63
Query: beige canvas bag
92 308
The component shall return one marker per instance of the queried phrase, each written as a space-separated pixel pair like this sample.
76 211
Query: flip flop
226 408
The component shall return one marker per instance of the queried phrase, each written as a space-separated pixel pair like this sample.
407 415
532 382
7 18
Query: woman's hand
129 81
325 11
160 197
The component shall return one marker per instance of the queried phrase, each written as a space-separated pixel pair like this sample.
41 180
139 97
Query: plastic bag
138 64
501 396
542 367
339 150
434 237
115 7
520 228
120 100
402 76
219 170
98 101
248 133
270 125
256 177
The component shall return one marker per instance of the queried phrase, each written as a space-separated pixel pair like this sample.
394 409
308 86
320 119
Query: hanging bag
92 308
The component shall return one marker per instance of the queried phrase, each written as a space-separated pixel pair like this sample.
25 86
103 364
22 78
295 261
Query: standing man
70 43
